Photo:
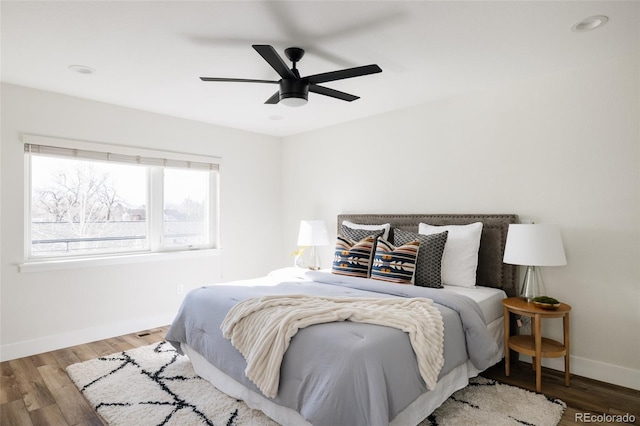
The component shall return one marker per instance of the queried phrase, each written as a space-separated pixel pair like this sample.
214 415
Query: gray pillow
429 263
360 234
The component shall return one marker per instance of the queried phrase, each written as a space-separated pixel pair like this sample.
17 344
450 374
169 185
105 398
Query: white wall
47 310
561 149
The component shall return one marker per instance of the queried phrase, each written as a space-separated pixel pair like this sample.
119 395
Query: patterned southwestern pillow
429 263
395 264
353 258
360 234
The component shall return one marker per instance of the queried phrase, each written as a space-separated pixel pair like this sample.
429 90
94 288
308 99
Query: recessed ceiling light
82 69
590 23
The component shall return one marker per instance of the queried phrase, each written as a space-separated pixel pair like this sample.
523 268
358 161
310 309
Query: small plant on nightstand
546 302
298 257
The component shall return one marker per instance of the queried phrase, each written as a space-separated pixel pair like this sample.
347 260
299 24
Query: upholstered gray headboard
491 271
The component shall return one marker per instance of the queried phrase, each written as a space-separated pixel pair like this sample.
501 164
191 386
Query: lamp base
533 284
315 260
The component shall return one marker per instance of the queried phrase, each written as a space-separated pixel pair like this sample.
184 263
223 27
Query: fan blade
274 99
237 80
341 74
332 93
271 56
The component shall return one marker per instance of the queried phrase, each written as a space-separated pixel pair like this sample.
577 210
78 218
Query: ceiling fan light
294 101
294 93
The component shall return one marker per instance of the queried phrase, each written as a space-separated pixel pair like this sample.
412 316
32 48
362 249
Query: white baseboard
78 337
614 374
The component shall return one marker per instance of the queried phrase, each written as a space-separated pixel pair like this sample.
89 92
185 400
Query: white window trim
154 230
46 264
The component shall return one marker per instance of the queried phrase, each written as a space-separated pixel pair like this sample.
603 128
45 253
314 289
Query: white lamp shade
534 245
313 233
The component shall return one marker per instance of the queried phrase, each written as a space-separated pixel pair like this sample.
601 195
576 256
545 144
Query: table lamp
534 245
313 233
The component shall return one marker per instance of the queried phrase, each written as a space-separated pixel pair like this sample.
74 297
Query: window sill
90 262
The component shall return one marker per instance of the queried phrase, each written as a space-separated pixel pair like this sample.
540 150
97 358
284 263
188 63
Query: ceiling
149 55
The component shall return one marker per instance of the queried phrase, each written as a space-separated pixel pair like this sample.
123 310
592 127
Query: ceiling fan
294 90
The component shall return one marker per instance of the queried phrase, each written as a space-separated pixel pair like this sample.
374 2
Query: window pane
84 207
186 207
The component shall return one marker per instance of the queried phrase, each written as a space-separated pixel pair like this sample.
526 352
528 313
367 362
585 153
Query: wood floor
37 391
582 396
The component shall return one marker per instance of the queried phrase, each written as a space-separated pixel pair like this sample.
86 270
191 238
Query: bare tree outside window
82 197
81 206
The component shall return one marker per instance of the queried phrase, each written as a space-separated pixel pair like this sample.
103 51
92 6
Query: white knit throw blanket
262 327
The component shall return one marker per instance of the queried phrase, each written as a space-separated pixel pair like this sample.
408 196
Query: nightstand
535 345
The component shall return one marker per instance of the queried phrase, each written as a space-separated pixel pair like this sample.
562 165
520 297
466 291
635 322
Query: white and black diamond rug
154 385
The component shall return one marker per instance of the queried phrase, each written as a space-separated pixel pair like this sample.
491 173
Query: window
89 199
186 207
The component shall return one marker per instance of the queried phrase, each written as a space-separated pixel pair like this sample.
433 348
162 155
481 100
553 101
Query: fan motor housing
294 89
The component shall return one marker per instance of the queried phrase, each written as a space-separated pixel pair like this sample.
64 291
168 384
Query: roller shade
119 154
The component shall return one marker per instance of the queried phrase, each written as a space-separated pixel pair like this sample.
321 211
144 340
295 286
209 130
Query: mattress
489 299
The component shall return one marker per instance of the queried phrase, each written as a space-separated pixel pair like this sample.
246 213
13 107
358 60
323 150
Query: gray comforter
337 373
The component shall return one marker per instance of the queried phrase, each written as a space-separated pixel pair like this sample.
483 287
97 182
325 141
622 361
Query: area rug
154 385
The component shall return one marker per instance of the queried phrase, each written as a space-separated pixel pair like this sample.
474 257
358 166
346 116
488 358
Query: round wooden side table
535 345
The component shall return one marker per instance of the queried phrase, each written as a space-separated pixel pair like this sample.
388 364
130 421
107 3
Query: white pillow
460 256
385 226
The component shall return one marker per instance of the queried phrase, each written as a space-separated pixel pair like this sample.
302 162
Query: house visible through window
86 201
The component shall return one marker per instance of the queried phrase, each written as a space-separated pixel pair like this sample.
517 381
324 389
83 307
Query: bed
350 373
